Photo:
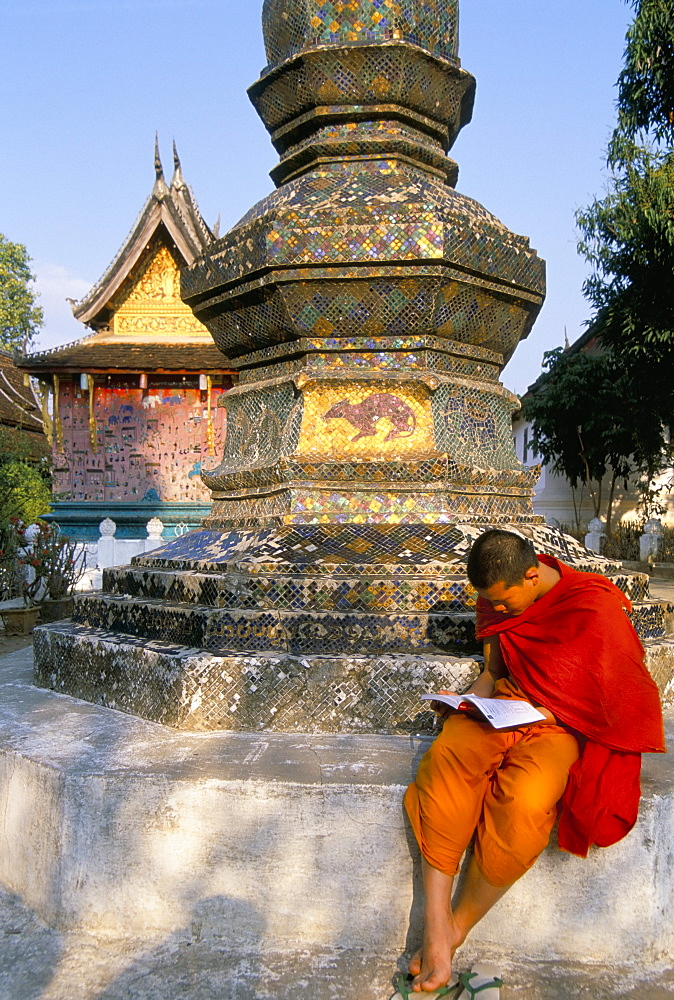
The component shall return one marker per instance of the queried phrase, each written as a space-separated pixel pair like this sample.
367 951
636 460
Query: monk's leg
444 806
518 813
520 808
476 900
432 965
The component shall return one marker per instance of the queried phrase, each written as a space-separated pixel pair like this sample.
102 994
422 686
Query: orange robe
575 653
501 786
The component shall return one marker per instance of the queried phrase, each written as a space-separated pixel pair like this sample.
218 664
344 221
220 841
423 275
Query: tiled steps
354 631
296 632
345 588
195 688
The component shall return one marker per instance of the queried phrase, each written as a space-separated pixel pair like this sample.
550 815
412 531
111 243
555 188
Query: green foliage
16 444
623 541
646 84
20 317
628 239
11 577
585 425
24 493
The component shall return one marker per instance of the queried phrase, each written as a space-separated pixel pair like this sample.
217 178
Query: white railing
112 551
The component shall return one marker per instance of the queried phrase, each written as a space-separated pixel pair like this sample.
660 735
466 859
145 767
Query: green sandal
480 979
402 984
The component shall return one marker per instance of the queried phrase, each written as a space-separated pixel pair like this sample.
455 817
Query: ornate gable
149 302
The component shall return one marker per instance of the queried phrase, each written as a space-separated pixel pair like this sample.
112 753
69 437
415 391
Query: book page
500 712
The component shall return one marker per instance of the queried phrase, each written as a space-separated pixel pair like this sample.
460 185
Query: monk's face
515 598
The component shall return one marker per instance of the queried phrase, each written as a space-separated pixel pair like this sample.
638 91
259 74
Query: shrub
24 494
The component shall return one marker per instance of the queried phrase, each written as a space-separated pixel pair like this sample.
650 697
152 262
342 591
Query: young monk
561 640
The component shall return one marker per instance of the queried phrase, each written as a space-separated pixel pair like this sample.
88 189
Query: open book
499 711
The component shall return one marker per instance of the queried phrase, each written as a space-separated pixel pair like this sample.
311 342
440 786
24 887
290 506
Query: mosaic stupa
369 309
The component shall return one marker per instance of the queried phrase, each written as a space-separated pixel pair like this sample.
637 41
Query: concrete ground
37 963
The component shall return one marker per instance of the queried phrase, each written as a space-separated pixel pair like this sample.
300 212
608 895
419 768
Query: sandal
403 983
483 979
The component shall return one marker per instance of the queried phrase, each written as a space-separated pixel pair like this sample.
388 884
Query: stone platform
260 846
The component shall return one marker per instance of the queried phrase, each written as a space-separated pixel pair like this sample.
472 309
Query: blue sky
87 82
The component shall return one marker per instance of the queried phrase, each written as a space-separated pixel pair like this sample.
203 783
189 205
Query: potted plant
61 568
21 579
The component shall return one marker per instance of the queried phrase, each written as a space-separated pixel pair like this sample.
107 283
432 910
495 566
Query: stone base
317 628
274 843
191 688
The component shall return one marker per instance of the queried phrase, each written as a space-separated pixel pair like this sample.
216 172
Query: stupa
368 308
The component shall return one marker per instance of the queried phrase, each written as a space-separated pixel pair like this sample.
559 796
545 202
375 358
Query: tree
586 428
628 236
20 317
621 403
646 84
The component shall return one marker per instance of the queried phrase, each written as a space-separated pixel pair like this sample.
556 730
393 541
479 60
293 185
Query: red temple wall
148 439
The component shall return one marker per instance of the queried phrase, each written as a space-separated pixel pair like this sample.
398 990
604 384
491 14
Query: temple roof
106 353
139 320
18 406
172 209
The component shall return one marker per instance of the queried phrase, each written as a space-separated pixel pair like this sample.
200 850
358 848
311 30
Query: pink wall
151 439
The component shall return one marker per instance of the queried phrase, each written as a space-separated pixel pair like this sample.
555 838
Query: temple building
21 428
133 414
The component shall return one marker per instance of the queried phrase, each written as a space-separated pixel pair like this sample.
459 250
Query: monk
561 640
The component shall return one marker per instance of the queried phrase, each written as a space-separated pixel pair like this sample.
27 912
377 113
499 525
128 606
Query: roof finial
567 345
158 169
216 228
160 190
178 181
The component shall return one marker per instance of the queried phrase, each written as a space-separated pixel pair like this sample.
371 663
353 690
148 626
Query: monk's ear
532 574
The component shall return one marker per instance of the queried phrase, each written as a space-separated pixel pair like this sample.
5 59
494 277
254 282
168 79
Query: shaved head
500 557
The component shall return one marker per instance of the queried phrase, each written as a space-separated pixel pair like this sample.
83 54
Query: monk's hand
444 711
441 710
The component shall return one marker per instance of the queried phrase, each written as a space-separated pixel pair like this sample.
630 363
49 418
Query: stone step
303 632
281 844
355 588
187 966
196 688
651 619
296 632
356 592
660 664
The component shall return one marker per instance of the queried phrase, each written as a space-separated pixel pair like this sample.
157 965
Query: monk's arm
493 669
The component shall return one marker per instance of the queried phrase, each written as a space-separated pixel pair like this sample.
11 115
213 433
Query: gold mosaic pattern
354 420
379 308
290 26
396 82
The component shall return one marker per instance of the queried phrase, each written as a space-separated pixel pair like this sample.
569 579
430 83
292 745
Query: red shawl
574 652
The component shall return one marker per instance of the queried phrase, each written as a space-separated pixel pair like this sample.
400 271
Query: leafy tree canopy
628 236
20 317
646 84
603 415
585 425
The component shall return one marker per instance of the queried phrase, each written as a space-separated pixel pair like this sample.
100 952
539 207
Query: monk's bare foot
432 966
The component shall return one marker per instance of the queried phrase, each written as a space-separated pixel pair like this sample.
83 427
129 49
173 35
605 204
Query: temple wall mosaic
369 309
150 444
